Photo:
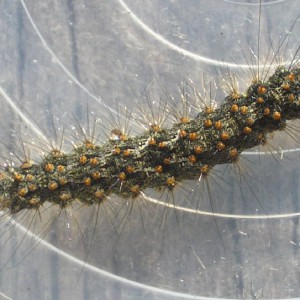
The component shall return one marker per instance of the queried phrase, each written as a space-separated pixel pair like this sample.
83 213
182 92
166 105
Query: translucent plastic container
235 236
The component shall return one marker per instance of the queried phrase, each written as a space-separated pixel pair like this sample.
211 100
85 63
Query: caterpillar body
160 157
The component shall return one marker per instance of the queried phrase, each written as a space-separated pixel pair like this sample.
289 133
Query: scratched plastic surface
235 238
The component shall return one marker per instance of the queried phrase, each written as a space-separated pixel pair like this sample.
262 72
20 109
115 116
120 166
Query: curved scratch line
220 215
58 61
104 273
279 152
5 297
178 49
18 111
253 4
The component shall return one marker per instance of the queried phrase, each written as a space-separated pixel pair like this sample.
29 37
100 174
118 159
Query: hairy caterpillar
159 158
196 241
